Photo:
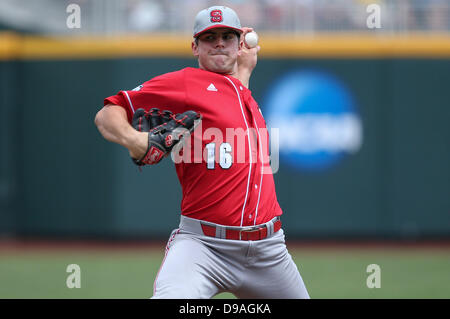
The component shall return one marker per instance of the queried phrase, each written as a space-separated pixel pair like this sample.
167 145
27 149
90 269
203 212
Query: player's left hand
165 130
247 58
144 121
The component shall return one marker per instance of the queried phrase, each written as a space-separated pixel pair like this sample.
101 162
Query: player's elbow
111 121
98 118
99 121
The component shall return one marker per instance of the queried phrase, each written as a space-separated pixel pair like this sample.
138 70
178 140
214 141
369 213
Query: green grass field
333 272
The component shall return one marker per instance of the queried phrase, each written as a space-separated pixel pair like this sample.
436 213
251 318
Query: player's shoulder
163 81
169 76
170 79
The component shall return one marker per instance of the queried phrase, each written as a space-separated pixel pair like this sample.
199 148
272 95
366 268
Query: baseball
251 39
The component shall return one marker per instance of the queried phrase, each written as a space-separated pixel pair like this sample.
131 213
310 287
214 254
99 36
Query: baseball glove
165 130
144 121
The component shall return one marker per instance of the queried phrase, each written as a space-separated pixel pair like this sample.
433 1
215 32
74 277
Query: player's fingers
246 30
252 51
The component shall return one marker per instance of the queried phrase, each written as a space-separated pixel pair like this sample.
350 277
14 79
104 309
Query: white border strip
250 149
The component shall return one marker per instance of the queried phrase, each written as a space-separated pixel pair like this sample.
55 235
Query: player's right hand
247 59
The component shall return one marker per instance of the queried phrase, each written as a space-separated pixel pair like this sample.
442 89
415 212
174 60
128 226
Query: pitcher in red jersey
230 236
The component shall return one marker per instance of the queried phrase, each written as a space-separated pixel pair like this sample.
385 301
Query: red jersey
225 178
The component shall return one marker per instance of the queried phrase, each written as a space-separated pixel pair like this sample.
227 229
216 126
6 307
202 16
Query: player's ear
194 47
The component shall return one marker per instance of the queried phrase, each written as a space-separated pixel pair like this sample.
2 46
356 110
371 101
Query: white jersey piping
250 150
262 171
129 101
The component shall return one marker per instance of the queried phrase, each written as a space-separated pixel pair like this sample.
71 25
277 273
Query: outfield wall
60 178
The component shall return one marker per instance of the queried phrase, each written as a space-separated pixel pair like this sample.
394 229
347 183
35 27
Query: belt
257 232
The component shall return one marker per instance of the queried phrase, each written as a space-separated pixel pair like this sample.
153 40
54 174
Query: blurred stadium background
364 166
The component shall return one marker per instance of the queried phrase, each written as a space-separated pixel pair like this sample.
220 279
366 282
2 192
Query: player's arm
147 143
247 59
112 122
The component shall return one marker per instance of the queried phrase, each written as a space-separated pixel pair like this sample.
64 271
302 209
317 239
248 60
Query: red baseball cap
216 17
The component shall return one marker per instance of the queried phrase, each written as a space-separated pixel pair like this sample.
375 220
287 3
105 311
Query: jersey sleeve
166 92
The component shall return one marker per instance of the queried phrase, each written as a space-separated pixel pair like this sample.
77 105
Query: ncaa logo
317 119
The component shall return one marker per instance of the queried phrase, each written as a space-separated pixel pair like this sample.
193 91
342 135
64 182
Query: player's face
217 50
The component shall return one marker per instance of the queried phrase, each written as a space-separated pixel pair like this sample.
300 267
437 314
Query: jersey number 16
225 158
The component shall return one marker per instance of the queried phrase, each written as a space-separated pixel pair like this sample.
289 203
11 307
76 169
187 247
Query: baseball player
230 237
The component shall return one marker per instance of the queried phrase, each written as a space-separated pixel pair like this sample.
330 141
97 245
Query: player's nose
220 43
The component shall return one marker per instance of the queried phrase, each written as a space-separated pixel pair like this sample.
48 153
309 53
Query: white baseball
251 39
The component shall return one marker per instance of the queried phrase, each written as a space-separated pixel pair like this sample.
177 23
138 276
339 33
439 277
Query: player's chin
221 66
222 70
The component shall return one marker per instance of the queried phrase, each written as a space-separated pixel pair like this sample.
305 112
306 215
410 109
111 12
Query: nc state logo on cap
216 16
